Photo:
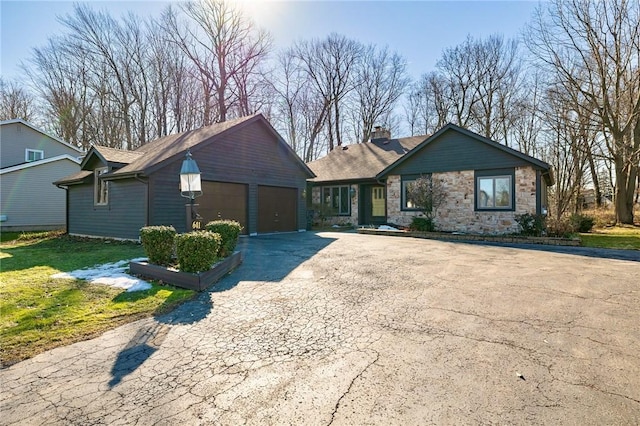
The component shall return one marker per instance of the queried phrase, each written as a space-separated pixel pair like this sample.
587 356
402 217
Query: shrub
423 224
197 251
562 228
582 222
531 225
158 243
229 231
603 217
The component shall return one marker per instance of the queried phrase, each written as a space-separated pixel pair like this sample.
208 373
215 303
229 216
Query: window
337 199
33 155
408 203
494 193
407 182
100 187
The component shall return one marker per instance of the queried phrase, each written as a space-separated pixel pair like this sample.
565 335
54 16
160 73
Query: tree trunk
594 178
625 186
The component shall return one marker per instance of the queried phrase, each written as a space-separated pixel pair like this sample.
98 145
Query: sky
418 30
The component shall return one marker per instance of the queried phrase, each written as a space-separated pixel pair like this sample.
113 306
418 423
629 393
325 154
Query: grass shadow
65 253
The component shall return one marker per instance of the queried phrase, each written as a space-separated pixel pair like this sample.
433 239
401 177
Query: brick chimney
380 134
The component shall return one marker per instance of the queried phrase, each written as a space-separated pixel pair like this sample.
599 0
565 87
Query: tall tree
593 48
330 65
15 101
381 78
225 47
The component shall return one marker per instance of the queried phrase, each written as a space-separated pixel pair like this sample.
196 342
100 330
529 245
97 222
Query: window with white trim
337 199
100 187
33 155
494 192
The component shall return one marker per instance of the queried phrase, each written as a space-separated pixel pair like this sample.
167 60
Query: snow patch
387 228
109 274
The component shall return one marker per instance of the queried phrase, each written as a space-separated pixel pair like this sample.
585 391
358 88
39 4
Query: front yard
38 312
615 237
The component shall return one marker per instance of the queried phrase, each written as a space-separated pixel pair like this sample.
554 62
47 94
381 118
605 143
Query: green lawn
618 237
38 313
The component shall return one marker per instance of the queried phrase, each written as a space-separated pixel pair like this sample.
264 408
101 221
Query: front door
373 205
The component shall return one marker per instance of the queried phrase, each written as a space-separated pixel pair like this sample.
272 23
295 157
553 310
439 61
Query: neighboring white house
30 161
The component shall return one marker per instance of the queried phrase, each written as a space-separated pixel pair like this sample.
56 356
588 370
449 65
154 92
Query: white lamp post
190 185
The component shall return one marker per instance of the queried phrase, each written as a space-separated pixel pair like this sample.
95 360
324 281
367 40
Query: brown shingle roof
74 178
363 160
161 149
113 155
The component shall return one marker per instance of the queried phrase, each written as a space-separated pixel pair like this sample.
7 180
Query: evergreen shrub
158 243
229 231
197 251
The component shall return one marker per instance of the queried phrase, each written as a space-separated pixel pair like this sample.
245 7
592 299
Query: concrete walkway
341 328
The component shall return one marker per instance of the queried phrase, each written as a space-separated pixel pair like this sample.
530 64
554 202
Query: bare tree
226 49
99 34
427 194
330 66
61 77
381 79
15 101
593 48
430 98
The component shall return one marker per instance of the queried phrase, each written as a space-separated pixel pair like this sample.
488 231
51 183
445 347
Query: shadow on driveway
266 258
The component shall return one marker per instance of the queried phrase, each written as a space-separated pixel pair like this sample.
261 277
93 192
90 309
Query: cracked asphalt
349 329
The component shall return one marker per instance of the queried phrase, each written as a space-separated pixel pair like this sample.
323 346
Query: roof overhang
30 164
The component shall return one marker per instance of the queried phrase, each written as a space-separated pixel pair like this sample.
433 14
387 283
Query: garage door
224 201
277 209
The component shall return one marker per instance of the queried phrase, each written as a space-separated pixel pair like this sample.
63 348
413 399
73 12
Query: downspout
66 202
146 183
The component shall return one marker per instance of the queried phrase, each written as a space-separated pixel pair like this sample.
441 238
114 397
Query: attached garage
277 209
248 174
222 200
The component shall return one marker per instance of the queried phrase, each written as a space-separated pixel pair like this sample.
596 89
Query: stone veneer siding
316 192
457 214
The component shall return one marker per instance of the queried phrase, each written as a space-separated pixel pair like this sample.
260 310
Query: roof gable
111 157
361 161
454 148
155 154
37 129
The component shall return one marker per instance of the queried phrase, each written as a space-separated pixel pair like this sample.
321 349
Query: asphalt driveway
341 328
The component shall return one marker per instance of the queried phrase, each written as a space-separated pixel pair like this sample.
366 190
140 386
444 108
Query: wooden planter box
198 282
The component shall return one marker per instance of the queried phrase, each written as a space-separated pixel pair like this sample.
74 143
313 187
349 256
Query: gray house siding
122 218
28 199
16 138
454 151
249 155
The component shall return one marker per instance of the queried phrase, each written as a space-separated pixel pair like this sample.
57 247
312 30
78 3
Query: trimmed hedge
197 251
158 243
229 231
